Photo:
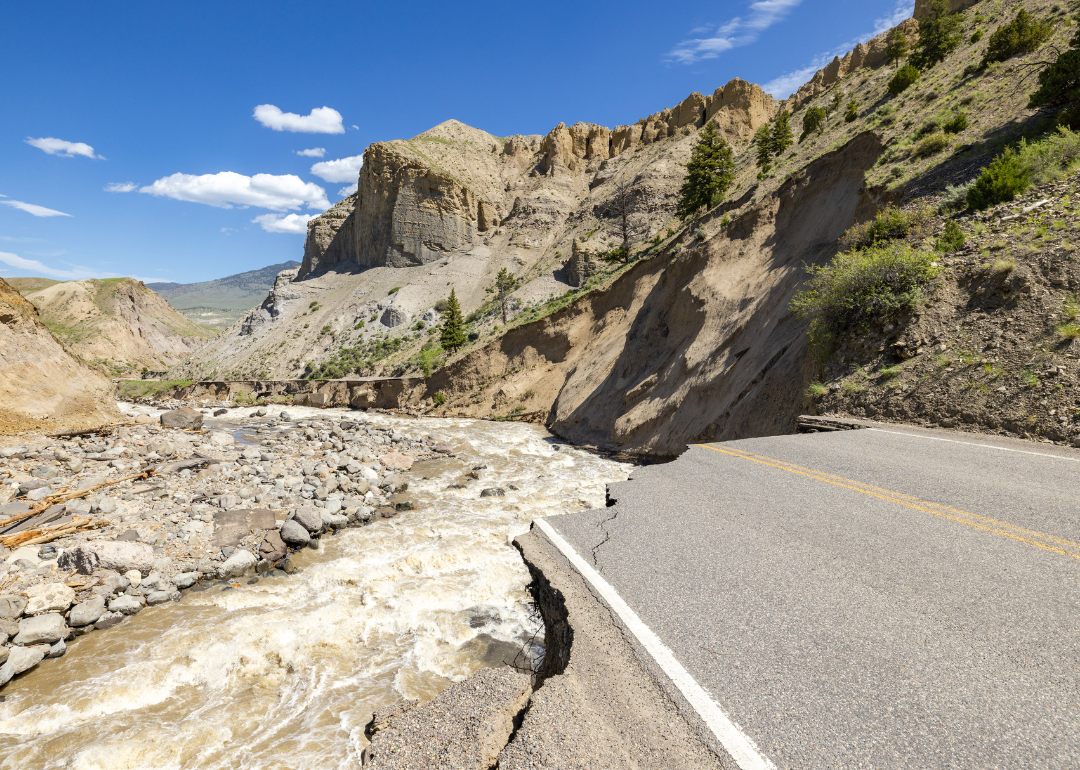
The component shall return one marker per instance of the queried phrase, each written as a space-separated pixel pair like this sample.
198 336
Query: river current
285 673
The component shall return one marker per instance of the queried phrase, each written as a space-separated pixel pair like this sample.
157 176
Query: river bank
399 608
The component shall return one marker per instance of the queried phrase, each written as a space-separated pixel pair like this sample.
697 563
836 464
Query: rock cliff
41 383
119 322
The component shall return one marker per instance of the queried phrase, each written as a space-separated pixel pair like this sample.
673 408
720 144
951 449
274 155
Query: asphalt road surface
880 598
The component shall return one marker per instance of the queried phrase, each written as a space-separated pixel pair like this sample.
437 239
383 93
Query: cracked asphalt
870 598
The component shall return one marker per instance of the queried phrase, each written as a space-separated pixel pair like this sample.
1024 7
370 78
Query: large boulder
88 612
12 606
273 548
294 534
396 460
49 597
24 658
393 316
232 526
310 518
183 418
108 554
127 604
41 629
238 564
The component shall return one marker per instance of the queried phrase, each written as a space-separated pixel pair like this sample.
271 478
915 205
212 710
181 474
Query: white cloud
787 84
268 191
289 223
346 191
314 152
737 32
340 170
121 187
14 260
63 149
31 208
321 120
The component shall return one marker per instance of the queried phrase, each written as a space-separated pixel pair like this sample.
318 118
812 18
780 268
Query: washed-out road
875 598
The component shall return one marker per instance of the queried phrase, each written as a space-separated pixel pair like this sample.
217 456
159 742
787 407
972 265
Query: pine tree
505 282
709 173
764 149
782 136
939 34
837 100
1059 82
898 48
852 113
813 120
452 334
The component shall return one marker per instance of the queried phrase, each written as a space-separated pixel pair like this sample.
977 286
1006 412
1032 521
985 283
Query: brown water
285 673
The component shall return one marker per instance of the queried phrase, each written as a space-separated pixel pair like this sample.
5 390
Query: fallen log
47 534
65 496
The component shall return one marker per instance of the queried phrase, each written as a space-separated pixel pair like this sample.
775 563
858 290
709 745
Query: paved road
877 598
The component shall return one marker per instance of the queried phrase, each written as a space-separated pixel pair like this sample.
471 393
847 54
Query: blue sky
166 141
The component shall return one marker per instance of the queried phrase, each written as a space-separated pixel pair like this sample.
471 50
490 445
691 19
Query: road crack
607 535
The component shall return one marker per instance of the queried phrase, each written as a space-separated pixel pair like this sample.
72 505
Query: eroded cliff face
695 344
41 383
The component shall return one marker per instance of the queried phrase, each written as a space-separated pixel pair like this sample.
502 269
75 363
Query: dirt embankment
41 383
695 344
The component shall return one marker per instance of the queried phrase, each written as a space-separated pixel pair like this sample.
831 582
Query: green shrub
852 113
1059 83
1069 331
886 114
951 238
442 305
955 124
955 197
1001 181
976 36
324 331
815 389
904 78
439 398
1023 34
1052 157
861 286
394 290
1070 308
890 372
814 120
890 223
931 145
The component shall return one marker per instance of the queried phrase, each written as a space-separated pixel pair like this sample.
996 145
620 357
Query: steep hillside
118 322
26 285
41 384
219 303
451 207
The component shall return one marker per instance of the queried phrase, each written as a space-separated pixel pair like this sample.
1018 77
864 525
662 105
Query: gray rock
334 520
88 612
12 606
6 672
127 605
30 486
272 548
238 564
309 517
108 554
393 316
4 652
22 659
44 472
185 579
155 582
41 629
284 416
8 629
57 650
49 597
294 534
186 419
107 505
160 597
108 620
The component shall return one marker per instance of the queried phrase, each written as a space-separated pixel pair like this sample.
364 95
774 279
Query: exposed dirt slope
694 344
995 346
119 322
41 384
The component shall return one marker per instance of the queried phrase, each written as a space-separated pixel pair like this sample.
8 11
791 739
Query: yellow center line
945 512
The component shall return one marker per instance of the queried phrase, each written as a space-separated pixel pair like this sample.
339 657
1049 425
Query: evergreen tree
505 282
1059 83
939 34
709 173
852 113
898 48
837 100
1022 35
813 120
763 140
452 335
782 136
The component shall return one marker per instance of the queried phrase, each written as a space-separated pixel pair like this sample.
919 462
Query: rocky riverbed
229 501
407 583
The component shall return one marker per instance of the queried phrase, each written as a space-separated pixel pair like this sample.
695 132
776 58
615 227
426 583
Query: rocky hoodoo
209 509
119 322
40 382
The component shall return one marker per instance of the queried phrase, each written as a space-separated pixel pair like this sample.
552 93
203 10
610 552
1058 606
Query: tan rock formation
118 321
39 379
922 7
740 109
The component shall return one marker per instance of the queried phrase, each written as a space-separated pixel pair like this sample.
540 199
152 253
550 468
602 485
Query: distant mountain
218 304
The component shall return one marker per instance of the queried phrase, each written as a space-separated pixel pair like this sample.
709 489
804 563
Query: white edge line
739 745
976 443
